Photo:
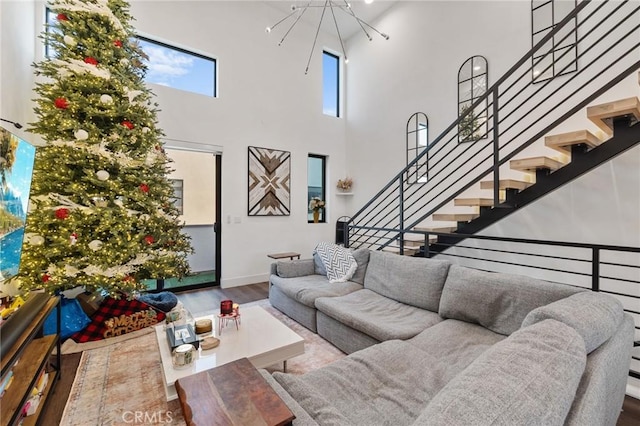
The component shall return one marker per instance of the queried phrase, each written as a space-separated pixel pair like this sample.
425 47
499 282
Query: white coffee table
261 338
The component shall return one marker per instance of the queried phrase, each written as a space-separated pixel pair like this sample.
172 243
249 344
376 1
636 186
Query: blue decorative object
164 301
73 319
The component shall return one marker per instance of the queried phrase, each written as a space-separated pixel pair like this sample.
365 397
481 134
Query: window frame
323 188
483 108
338 76
417 126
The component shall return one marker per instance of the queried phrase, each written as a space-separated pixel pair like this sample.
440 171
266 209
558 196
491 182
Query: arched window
417 141
472 84
559 55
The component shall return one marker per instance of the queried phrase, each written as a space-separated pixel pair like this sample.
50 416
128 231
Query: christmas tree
101 212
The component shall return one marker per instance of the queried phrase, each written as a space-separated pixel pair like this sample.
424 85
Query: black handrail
389 210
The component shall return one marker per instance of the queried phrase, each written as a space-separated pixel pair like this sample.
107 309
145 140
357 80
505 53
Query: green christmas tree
101 212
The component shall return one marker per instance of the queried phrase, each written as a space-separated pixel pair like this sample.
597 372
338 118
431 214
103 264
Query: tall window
417 142
559 55
316 172
330 84
472 84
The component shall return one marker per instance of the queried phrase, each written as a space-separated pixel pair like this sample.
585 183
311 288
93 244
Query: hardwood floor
207 299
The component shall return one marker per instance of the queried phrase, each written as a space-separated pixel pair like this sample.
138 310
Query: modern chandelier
298 11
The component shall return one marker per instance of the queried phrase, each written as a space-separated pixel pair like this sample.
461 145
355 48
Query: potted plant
345 184
315 205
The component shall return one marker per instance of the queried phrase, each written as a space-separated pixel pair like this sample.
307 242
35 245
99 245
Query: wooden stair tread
506 184
532 164
417 240
456 217
474 202
602 114
564 141
443 229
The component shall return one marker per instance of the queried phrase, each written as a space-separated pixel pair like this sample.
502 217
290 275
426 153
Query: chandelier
298 12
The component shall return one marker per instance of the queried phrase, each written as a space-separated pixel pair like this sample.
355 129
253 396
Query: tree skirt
117 382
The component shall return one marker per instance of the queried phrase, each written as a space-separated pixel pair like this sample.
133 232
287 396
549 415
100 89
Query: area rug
121 384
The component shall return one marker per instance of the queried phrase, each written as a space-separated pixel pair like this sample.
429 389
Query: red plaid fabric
116 317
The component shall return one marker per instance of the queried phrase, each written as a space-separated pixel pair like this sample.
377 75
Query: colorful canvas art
269 182
16 170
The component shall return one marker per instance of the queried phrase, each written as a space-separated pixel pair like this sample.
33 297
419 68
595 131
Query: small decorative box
203 326
181 335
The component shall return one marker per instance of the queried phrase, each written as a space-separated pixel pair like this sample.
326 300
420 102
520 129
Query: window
316 170
417 141
330 84
167 65
472 84
559 55
179 68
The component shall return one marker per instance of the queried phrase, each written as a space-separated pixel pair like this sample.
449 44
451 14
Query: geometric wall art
269 182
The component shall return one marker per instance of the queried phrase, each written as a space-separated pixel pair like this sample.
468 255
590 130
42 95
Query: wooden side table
288 254
232 394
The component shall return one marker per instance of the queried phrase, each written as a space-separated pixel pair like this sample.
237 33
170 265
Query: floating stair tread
443 229
417 240
474 202
563 142
456 217
396 250
602 114
506 184
532 164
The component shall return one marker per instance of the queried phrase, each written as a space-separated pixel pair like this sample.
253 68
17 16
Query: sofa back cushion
529 378
497 301
594 316
415 281
362 259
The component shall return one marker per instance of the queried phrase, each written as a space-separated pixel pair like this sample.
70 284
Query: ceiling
348 25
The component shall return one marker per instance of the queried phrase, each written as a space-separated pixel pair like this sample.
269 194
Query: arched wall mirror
472 84
559 55
417 142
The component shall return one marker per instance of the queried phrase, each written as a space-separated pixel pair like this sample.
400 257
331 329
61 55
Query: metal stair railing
519 111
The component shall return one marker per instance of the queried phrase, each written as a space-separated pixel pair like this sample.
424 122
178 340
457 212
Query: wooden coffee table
261 338
233 394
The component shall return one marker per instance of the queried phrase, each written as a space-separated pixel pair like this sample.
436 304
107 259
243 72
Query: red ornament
62 17
144 188
45 278
149 239
117 43
128 124
91 60
61 103
62 213
128 278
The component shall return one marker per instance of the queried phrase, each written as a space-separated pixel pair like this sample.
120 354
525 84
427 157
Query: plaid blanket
338 261
116 317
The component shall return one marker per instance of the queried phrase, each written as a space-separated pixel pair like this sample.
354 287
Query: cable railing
527 102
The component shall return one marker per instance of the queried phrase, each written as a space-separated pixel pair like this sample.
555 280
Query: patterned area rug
121 384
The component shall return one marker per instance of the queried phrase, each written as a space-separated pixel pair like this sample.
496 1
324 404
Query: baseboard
240 281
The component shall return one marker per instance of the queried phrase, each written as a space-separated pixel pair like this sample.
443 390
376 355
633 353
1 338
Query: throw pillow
338 261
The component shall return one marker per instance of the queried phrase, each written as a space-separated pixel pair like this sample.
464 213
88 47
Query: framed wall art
269 182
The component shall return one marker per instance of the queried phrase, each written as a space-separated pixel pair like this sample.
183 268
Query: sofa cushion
594 316
294 268
458 343
308 288
387 383
496 301
338 261
377 316
529 378
415 281
318 266
362 259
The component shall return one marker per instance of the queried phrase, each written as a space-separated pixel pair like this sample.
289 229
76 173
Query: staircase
520 112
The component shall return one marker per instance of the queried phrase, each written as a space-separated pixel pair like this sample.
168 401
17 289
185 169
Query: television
16 171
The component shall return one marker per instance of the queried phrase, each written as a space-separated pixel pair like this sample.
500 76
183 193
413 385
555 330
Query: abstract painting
269 182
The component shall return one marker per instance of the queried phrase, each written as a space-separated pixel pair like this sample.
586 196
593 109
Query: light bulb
346 60
368 1
267 30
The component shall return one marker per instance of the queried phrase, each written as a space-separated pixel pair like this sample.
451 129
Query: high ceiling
348 25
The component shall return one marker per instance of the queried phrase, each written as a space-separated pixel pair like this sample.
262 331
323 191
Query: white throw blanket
338 261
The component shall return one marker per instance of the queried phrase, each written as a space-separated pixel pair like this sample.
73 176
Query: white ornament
34 239
146 130
102 175
81 135
70 41
95 245
106 99
124 61
118 203
70 271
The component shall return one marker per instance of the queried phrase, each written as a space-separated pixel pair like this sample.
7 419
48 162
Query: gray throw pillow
318 266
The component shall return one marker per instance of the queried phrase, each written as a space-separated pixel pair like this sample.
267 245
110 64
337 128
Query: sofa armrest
293 268
302 417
